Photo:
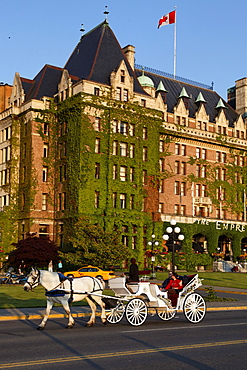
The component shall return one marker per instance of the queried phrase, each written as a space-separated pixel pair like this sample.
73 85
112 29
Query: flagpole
175 46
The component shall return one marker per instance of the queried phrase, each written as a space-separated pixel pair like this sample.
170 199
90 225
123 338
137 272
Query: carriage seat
132 286
120 287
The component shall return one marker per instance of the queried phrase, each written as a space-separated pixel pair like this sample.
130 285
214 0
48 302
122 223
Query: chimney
241 96
129 52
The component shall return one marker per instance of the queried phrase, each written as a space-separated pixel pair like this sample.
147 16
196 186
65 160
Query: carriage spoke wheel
166 313
194 308
115 315
136 312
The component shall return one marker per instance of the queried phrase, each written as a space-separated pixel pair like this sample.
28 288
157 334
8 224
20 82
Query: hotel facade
129 147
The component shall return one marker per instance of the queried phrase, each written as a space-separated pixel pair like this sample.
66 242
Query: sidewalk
81 311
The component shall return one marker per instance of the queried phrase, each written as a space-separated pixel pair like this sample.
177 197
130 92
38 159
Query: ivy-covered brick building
127 146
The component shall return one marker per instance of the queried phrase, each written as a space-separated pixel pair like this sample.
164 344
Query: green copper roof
183 93
161 87
145 80
220 104
200 98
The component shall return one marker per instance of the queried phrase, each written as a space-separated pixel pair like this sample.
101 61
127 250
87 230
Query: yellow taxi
92 271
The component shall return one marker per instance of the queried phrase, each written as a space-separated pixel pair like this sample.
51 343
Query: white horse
67 291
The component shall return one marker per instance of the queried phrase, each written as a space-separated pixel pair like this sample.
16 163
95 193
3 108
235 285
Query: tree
34 251
92 245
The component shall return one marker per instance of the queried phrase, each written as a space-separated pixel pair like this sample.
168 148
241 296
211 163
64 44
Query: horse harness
97 286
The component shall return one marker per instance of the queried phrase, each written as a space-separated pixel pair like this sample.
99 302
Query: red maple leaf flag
167 19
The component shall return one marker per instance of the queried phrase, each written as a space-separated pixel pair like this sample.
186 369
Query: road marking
124 353
184 327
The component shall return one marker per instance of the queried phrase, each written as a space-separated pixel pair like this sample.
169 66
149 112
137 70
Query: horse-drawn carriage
145 297
134 301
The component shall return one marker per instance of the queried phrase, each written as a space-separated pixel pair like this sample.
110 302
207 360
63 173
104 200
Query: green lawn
225 279
13 296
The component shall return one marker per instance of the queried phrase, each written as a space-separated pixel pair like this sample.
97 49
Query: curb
227 308
39 316
60 316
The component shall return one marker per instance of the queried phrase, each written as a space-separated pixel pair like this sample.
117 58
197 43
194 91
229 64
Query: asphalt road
218 342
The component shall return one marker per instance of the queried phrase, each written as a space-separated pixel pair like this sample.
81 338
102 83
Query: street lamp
173 233
152 243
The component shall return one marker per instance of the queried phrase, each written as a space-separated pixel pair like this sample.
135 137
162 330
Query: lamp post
152 244
173 233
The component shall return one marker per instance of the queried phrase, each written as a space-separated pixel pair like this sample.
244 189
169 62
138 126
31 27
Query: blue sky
211 35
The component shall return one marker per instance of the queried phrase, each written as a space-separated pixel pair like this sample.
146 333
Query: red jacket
175 284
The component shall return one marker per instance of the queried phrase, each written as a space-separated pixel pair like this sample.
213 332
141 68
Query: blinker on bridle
35 280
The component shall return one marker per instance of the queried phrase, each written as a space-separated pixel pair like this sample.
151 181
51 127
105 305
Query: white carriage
146 297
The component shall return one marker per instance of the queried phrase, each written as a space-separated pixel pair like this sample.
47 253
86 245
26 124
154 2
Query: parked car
92 271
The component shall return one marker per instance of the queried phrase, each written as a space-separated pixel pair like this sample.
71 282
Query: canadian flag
167 19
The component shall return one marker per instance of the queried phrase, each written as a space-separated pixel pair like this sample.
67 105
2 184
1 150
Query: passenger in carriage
174 286
166 281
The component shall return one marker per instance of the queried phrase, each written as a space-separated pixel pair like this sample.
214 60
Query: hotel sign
222 225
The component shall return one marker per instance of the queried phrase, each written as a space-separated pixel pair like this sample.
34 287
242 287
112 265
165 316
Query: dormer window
96 91
122 78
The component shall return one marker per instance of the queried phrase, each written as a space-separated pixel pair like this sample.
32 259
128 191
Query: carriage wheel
166 313
115 315
136 312
194 308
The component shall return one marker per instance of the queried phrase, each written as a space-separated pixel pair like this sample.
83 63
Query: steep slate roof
26 84
45 83
96 55
174 88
